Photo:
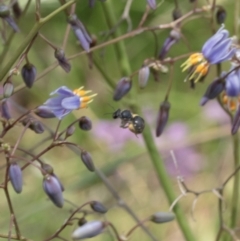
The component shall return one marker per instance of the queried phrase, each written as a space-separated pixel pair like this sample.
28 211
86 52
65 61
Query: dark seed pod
85 123
15 175
176 14
63 62
98 207
29 73
87 160
123 87
5 110
221 15
17 11
162 117
8 88
44 112
213 90
53 189
162 217
236 122
88 230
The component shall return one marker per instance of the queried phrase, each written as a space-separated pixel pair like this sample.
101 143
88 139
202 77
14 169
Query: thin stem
136 226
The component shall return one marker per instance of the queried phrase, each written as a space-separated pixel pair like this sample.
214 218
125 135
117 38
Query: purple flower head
67 101
233 84
217 48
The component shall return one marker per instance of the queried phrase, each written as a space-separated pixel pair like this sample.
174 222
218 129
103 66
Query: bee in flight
133 122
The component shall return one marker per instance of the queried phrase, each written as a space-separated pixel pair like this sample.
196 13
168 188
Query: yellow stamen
200 71
192 60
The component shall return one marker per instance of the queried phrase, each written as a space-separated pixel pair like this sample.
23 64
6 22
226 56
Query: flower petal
60 113
63 90
54 102
71 103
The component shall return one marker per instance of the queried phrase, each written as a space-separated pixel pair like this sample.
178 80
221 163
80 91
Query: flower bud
34 125
87 160
28 73
82 221
98 207
43 112
176 14
17 11
53 189
162 117
15 175
70 130
143 75
80 32
221 15
236 122
162 217
88 230
123 87
152 4
63 62
213 90
4 110
8 88
173 38
4 11
85 123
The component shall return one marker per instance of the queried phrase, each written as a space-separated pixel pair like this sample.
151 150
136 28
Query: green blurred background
199 136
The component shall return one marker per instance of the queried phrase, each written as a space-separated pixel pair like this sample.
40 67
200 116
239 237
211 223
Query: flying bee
129 120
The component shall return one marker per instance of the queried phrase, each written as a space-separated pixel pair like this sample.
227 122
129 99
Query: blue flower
233 84
217 49
67 101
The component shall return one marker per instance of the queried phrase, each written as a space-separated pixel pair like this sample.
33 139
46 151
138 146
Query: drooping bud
169 42
87 160
162 217
98 207
8 88
221 15
53 189
236 122
17 11
213 90
162 117
29 73
70 130
143 75
123 87
176 14
88 230
63 62
44 112
80 32
33 124
5 14
15 175
152 4
5 110
85 123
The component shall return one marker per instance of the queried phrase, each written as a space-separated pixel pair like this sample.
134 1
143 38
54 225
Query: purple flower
217 49
152 3
67 101
233 84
